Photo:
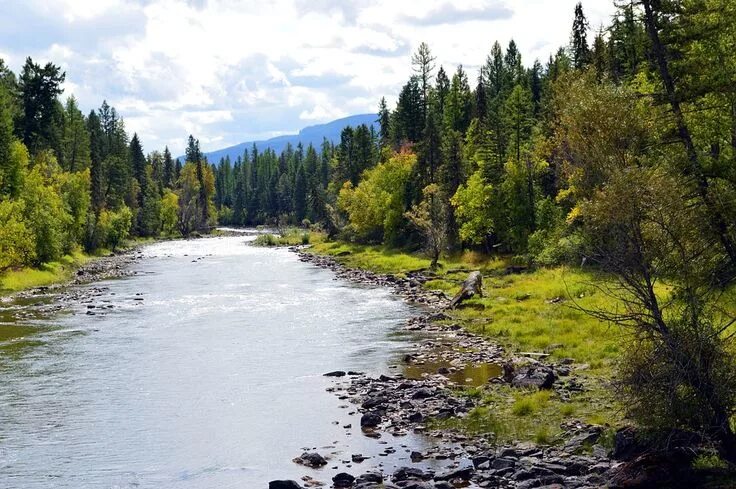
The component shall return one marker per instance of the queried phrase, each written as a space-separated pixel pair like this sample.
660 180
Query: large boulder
370 420
311 459
541 377
284 485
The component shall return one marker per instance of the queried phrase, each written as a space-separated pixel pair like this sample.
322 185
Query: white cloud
231 70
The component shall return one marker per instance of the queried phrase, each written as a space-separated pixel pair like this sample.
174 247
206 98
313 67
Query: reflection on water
473 375
204 372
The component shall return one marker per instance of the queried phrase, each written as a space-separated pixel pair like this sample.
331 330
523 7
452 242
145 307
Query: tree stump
472 286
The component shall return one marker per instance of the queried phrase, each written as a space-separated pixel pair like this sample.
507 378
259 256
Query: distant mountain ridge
309 135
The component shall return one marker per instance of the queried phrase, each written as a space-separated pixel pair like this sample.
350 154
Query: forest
619 154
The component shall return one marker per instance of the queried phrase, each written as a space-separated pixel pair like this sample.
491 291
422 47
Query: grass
55 272
540 312
47 274
291 237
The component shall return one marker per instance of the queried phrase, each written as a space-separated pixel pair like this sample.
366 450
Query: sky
230 71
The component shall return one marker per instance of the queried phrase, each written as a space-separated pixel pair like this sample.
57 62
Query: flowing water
203 370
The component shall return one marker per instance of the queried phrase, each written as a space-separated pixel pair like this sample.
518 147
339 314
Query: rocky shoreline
397 404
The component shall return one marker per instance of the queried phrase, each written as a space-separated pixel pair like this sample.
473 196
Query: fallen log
472 286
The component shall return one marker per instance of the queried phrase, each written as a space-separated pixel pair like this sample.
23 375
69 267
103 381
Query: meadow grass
541 311
56 272
47 274
290 237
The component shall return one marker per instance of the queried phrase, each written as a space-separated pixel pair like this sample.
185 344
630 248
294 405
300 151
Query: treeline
620 154
485 145
68 180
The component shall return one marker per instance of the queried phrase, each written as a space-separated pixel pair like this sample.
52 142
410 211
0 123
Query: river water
203 370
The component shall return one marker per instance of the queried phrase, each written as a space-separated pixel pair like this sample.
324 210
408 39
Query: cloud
227 71
449 13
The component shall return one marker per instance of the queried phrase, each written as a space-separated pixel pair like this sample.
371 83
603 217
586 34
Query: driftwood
473 285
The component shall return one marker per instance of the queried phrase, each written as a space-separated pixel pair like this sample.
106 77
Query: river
203 370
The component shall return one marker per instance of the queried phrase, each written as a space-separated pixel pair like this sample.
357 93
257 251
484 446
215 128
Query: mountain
312 134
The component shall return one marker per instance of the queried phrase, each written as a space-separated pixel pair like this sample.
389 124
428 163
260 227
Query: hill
309 135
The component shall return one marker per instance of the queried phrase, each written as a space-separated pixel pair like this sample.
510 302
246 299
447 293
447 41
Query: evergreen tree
579 39
300 195
383 122
169 176
75 154
97 178
39 87
423 64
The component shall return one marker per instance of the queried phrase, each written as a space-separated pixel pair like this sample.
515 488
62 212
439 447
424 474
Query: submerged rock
284 485
311 459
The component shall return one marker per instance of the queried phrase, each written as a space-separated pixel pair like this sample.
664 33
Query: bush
266 240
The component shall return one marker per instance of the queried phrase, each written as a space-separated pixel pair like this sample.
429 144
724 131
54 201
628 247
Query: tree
383 122
116 226
13 158
75 143
169 176
194 155
473 202
423 64
518 112
579 39
96 141
169 212
376 207
300 195
408 117
39 87
430 217
17 242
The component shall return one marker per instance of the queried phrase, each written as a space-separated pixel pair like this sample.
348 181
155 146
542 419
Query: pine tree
39 87
300 195
599 56
169 178
384 122
579 39
423 64
75 154
94 129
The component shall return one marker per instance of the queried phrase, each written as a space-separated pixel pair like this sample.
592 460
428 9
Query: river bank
440 384
497 429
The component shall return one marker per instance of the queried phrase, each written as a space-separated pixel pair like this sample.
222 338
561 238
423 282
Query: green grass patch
541 311
47 274
291 237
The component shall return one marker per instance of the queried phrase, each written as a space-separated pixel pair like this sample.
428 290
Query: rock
626 445
406 473
370 420
503 463
464 474
586 438
311 459
336 373
423 393
540 377
284 485
373 477
343 479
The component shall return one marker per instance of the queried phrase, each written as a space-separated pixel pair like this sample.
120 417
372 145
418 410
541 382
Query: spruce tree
423 64
579 39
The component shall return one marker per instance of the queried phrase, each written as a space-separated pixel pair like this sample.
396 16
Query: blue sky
229 71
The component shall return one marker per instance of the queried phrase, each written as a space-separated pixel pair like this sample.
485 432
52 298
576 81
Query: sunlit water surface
212 380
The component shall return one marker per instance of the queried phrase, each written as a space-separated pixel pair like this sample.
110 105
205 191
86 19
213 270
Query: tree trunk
473 285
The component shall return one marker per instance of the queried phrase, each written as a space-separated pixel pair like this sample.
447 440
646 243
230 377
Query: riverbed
203 369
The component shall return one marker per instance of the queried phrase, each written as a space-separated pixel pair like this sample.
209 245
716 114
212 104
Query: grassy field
54 272
542 311
47 274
